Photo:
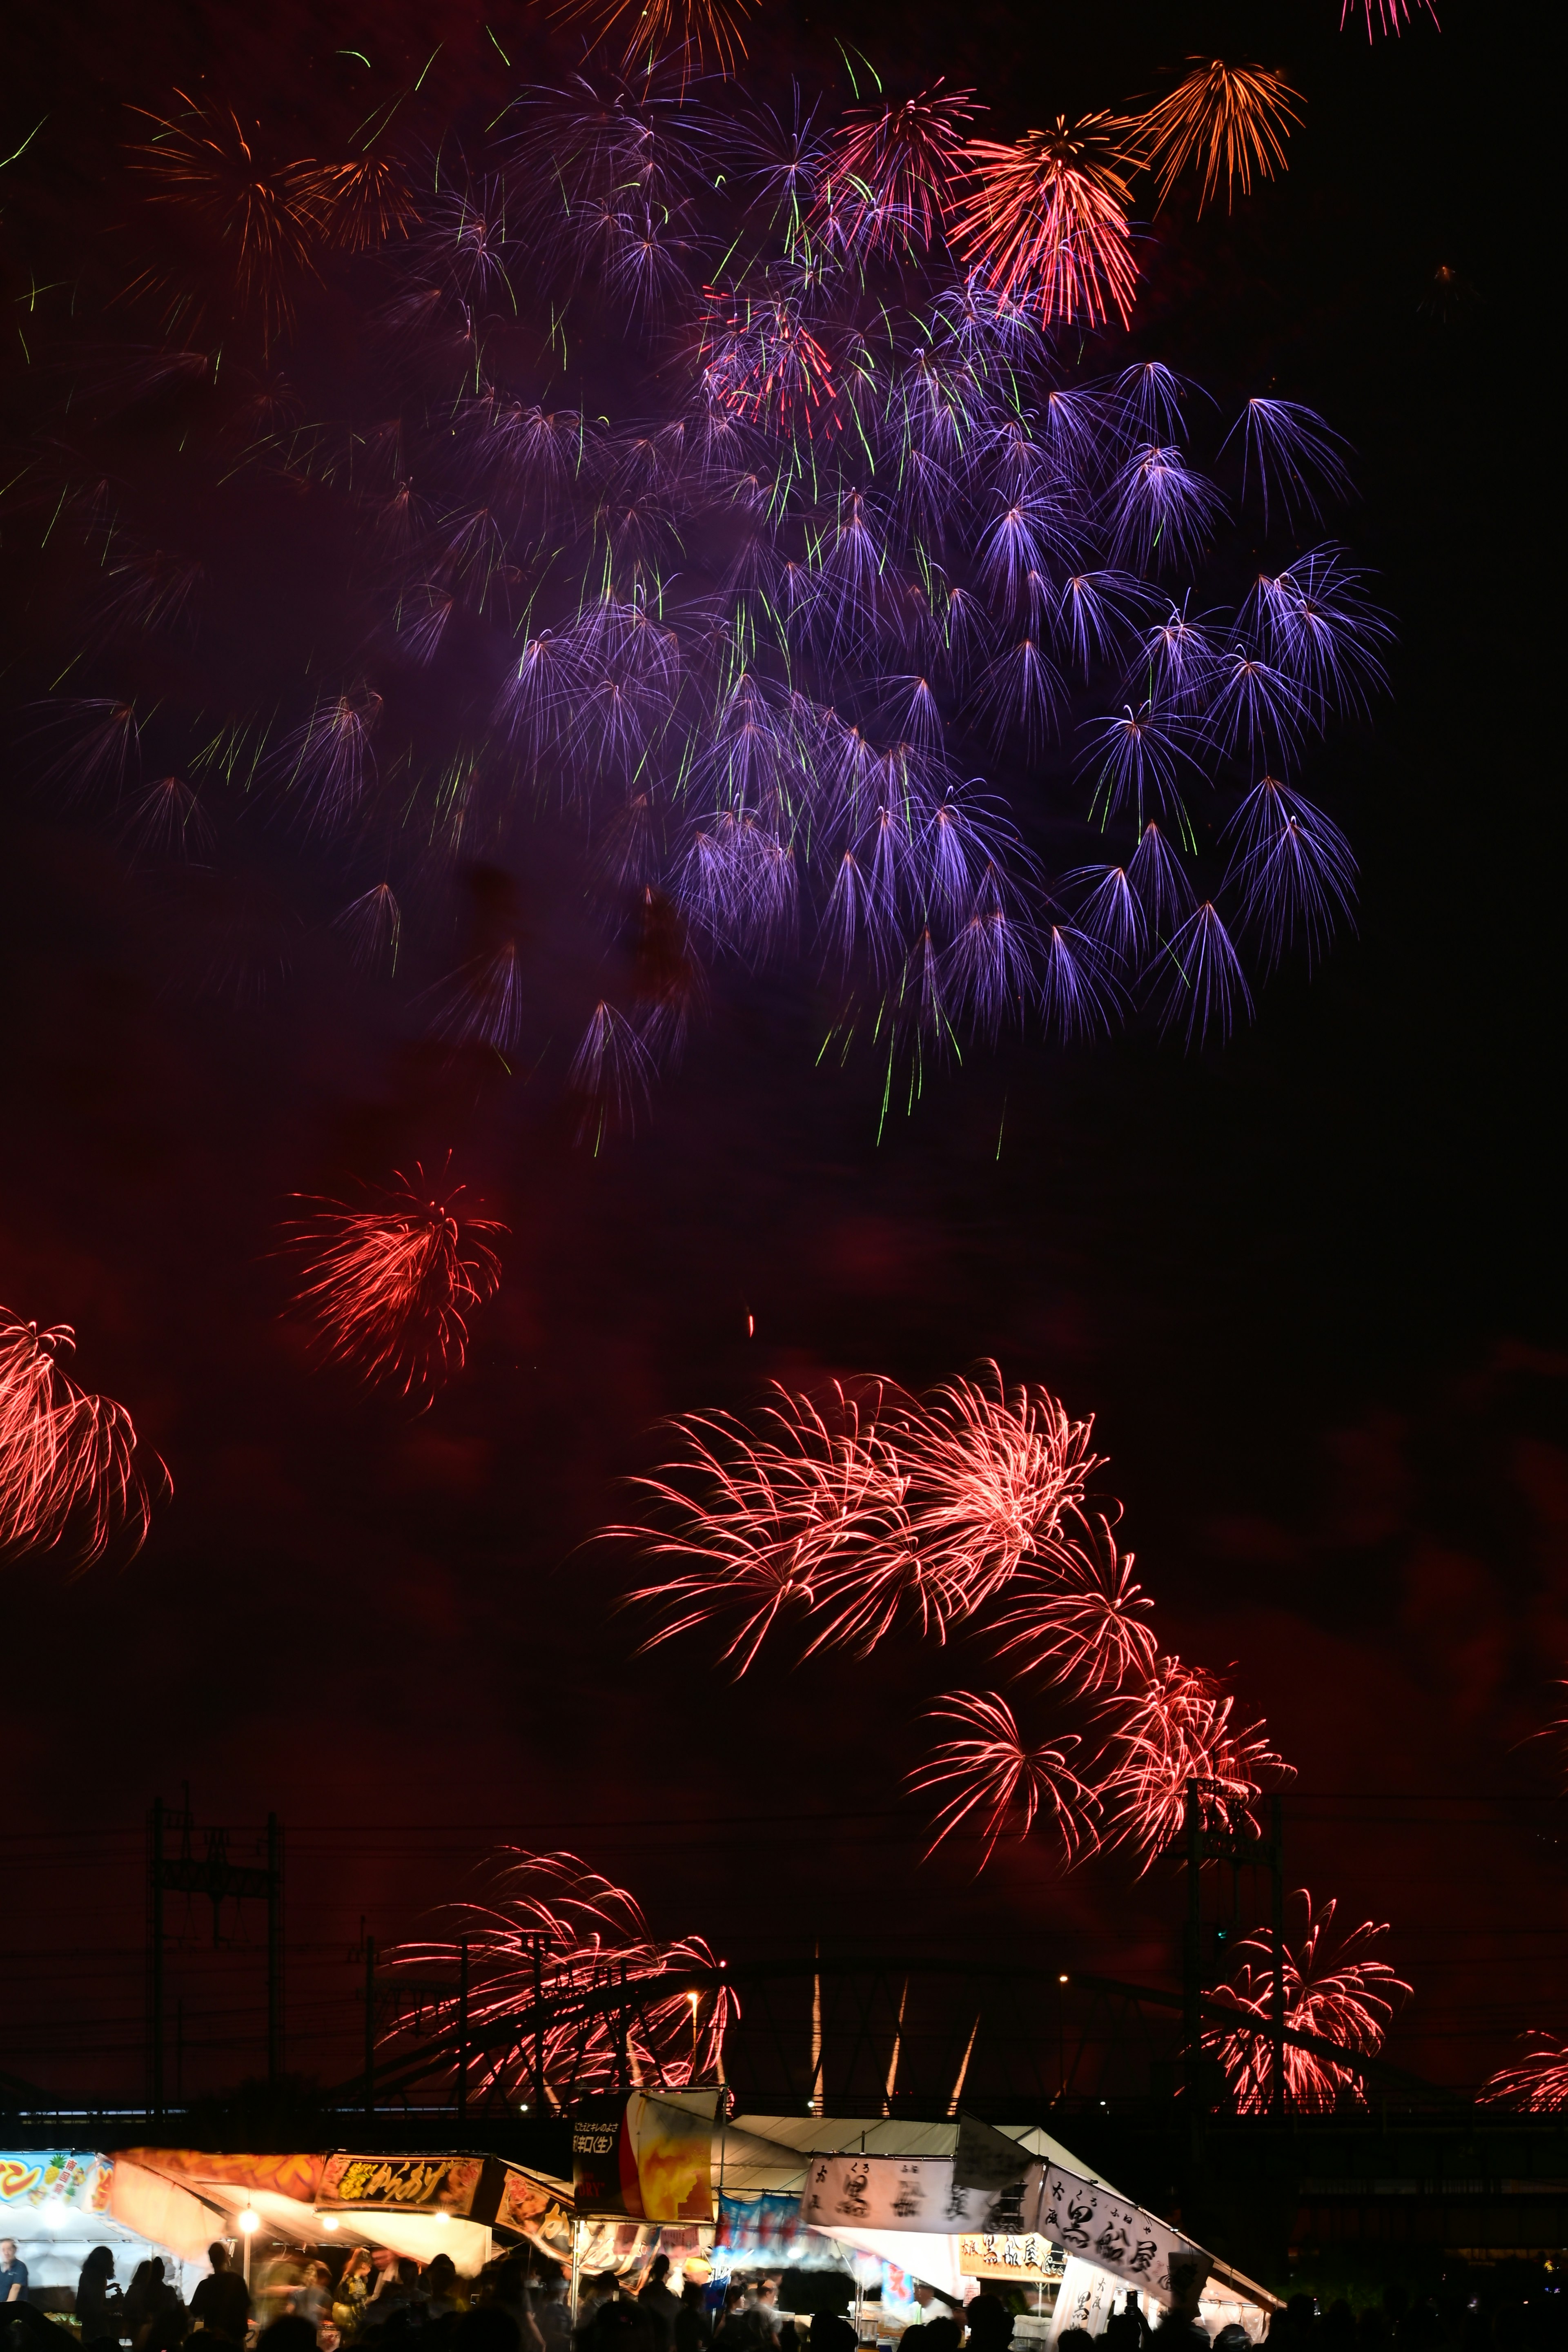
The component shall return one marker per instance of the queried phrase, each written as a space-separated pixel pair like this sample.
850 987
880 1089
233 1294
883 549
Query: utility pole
463 2030
539 2090
369 2027
274 1949
155 1958
220 1880
1219 1828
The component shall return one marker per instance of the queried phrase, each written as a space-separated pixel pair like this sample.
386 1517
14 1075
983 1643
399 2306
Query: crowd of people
377 2301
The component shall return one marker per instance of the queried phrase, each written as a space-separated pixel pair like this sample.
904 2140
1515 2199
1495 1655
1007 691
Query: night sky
1309 1285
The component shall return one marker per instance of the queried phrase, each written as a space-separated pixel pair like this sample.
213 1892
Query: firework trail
1331 1988
781 510
1538 2083
68 1476
994 1776
1229 120
385 1286
559 1927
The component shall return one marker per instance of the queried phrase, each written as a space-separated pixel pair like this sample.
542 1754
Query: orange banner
296 2175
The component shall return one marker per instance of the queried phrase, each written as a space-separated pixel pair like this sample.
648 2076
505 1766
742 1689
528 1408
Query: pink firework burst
558 1930
862 1512
1044 223
1538 2083
1174 1726
771 1518
889 173
69 1474
1331 1988
994 1472
1079 1617
386 1284
995 1777
1384 16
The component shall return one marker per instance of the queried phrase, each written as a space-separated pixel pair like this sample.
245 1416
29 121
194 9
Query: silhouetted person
166 2331
488 2328
693 2329
831 2332
654 2295
440 2285
1071 2339
551 2316
290 2334
940 2335
1125 2330
99 2306
221 2303
990 2324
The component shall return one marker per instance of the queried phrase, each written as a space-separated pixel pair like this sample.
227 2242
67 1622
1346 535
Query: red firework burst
889 173
763 363
1044 223
386 1285
1538 2083
1333 1990
996 1776
69 1474
560 1931
1172 1727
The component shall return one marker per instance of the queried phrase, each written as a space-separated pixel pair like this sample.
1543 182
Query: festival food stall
890 2205
174 2202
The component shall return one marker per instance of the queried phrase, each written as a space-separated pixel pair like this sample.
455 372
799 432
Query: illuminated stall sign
643 2159
992 2254
412 2184
902 2192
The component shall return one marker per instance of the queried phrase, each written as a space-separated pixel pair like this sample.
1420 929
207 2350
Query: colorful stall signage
644 2158
991 2254
413 2184
902 2192
59 2178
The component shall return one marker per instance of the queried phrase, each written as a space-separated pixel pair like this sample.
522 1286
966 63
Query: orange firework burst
68 1469
262 213
357 204
889 173
1233 119
558 1933
1338 1993
705 31
1045 221
386 1285
995 1775
1172 1727
1538 2083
